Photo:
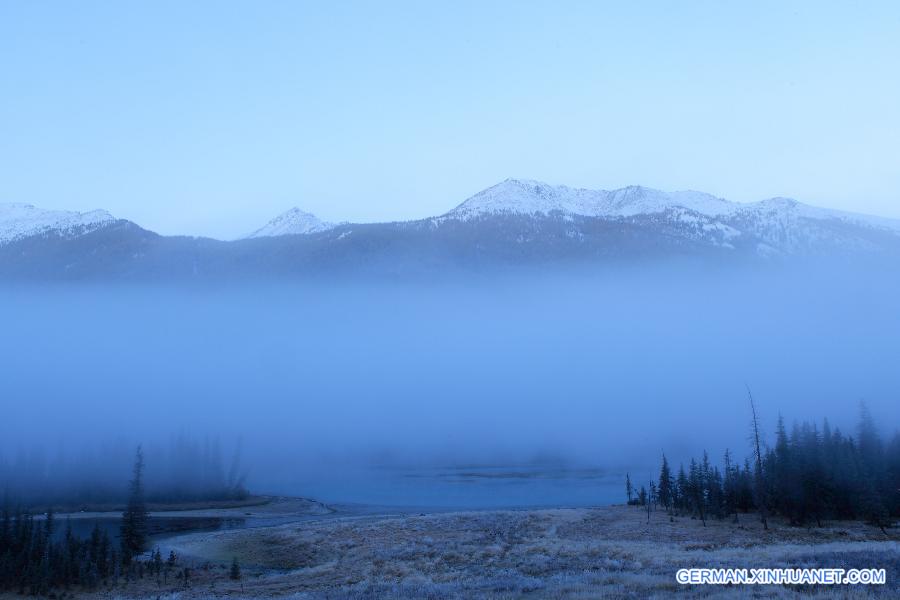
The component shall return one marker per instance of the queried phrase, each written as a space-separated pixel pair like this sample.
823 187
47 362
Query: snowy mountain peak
19 221
782 223
517 197
292 222
525 197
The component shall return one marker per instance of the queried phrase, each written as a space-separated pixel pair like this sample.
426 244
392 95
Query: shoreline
289 546
95 510
542 553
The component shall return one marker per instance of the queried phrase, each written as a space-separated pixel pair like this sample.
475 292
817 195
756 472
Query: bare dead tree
760 490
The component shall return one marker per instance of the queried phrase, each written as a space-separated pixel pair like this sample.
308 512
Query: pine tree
235 572
682 487
892 473
696 490
873 472
629 488
782 476
134 518
665 484
730 486
714 495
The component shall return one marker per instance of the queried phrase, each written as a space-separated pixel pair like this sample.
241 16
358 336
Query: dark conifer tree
134 518
892 474
696 490
682 486
665 484
808 477
716 494
730 486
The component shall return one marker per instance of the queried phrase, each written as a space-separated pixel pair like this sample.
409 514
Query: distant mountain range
516 222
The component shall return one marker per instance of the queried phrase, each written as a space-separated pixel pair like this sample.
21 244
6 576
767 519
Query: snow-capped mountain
19 221
780 225
514 223
525 197
292 222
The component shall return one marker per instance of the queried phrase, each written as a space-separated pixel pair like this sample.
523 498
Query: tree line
184 468
809 475
35 560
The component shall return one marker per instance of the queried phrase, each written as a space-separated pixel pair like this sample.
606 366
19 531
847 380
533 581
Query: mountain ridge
516 222
507 196
512 196
20 220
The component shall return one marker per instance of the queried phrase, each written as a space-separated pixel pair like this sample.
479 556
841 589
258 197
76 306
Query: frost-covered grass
607 552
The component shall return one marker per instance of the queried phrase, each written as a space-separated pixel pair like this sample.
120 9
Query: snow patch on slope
19 221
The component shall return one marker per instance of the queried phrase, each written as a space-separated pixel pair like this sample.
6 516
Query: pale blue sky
211 117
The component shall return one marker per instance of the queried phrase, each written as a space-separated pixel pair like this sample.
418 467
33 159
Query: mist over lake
349 392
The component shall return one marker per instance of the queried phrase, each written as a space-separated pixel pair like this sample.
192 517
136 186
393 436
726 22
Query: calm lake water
459 487
396 490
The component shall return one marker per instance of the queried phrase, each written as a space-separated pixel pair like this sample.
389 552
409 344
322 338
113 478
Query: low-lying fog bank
589 370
